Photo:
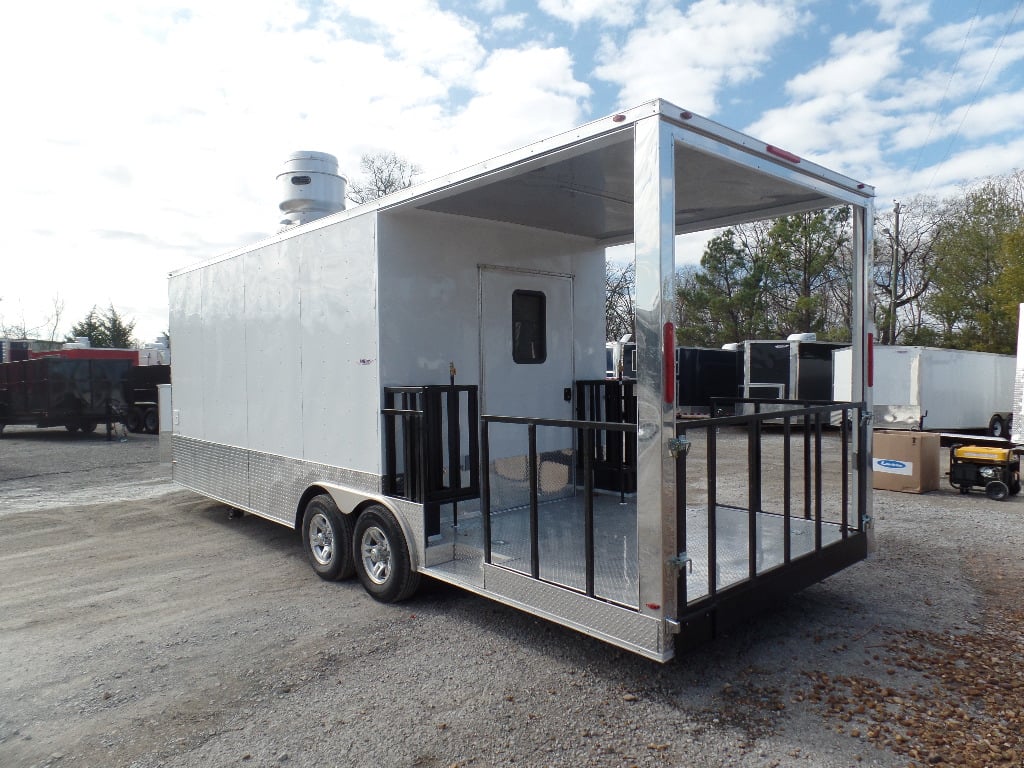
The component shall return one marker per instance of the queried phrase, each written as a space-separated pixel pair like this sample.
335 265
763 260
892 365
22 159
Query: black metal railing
612 451
793 421
430 439
797 420
587 430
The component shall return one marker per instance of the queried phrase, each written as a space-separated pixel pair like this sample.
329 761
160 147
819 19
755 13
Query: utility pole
895 272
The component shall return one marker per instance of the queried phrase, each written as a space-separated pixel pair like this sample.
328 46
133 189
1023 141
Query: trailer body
938 390
74 392
620 360
418 385
705 375
791 369
139 398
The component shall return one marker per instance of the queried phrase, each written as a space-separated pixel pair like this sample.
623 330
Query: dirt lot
142 626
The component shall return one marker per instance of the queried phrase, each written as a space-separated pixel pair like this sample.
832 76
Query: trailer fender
350 502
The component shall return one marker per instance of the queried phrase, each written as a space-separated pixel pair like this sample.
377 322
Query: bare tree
619 306
53 321
384 172
14 330
904 252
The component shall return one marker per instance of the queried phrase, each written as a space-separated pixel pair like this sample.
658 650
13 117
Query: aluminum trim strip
644 635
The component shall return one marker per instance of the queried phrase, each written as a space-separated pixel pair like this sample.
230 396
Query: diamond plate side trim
264 484
633 631
218 471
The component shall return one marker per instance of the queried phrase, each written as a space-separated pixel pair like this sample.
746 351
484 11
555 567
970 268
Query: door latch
681 561
567 394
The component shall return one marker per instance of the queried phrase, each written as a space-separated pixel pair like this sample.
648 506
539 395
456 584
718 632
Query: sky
141 137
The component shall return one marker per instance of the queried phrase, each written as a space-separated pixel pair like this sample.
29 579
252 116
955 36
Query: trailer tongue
420 390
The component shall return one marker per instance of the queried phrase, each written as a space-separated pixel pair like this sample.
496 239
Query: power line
945 92
977 92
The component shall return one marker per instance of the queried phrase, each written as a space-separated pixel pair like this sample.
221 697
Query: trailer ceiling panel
591 194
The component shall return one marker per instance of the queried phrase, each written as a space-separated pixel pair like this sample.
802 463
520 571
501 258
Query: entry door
526 352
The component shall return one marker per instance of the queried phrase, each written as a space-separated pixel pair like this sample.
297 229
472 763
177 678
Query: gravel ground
143 626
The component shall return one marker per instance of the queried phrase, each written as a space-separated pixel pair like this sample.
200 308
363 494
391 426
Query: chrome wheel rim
321 539
376 554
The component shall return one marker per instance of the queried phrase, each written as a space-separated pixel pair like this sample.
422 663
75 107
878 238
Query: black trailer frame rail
716 608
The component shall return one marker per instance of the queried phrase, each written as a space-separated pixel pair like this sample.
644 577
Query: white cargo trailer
418 386
938 390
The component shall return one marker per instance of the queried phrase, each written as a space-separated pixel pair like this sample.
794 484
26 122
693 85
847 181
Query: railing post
753 490
681 546
712 451
817 481
845 442
807 467
588 507
534 513
787 489
485 486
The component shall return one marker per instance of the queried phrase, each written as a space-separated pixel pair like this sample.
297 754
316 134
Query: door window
529 327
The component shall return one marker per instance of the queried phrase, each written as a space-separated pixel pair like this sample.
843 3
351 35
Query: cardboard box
905 461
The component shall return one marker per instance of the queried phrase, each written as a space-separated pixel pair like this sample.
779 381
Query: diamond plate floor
616 577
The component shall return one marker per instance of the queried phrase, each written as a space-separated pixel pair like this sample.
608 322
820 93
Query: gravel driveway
142 625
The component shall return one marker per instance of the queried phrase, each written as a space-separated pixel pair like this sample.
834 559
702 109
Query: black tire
1015 486
151 421
71 427
997 490
133 420
997 427
88 426
327 538
382 558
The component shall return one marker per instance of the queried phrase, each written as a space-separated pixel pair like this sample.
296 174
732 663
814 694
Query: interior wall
429 291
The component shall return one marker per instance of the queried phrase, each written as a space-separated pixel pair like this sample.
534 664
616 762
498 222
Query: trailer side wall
277 348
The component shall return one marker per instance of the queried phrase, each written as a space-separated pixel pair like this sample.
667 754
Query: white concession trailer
417 385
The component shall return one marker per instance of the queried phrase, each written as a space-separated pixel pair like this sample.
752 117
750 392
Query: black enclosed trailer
140 399
790 369
703 375
77 394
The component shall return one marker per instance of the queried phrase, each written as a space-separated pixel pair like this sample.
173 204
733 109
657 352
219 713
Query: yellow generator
997 470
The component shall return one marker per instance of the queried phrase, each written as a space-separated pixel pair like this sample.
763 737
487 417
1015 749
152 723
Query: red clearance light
685 115
783 154
653 606
871 359
618 118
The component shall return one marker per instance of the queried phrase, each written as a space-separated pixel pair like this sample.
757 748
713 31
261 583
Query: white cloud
441 42
689 57
509 22
903 13
616 13
855 64
521 96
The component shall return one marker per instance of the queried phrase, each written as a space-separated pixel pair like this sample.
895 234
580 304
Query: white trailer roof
582 183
